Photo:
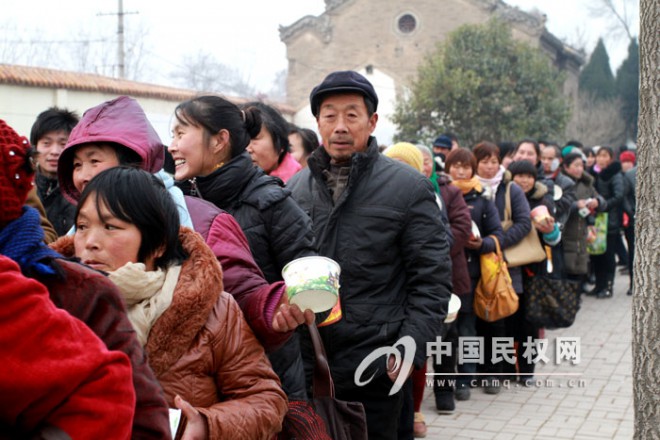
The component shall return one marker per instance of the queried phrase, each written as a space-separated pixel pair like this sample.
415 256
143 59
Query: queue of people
171 275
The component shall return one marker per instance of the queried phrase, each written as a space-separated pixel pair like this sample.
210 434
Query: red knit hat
627 156
16 173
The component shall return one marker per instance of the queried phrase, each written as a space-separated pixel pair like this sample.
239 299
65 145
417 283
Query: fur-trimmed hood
196 292
198 289
539 191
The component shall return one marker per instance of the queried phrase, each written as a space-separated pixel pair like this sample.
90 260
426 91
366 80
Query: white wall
19 106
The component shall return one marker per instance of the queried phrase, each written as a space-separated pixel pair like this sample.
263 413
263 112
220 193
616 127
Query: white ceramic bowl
452 310
312 283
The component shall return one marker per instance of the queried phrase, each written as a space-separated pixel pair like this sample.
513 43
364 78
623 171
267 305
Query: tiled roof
61 79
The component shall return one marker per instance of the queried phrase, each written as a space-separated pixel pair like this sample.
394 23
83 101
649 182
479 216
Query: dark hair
462 155
168 165
52 120
506 149
451 136
125 156
214 113
310 141
140 198
608 150
484 150
588 151
275 124
522 167
534 143
570 158
371 106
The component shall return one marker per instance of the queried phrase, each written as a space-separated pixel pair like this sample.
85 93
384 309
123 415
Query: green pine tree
627 88
596 78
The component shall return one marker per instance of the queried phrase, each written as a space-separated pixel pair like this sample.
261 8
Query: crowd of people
149 277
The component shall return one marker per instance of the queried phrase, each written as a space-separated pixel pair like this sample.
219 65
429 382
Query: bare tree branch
616 13
597 122
203 72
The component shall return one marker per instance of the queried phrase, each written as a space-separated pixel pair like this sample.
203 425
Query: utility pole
121 53
120 39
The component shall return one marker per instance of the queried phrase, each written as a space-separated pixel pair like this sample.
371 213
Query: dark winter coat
484 215
460 223
520 216
574 235
609 184
386 233
60 211
49 231
95 300
564 203
537 196
629 202
277 230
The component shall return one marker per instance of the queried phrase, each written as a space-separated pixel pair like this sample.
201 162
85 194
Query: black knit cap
442 142
343 81
522 167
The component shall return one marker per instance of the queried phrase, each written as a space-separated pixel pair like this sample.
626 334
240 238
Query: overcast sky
241 33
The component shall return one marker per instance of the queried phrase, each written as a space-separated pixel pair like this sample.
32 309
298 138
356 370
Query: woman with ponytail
210 138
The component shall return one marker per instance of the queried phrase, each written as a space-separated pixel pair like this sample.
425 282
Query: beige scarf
147 294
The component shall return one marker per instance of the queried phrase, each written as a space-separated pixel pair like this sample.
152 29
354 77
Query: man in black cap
380 221
442 145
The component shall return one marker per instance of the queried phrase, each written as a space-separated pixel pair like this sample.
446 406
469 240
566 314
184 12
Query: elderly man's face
345 125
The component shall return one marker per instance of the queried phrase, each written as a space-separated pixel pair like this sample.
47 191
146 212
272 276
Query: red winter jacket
241 275
95 300
55 371
122 121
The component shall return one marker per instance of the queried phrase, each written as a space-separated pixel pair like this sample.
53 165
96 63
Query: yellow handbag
494 296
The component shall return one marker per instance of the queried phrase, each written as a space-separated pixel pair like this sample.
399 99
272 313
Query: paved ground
597 404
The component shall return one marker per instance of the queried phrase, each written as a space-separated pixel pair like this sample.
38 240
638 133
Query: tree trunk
646 300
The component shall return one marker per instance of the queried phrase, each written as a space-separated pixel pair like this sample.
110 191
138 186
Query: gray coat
574 238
